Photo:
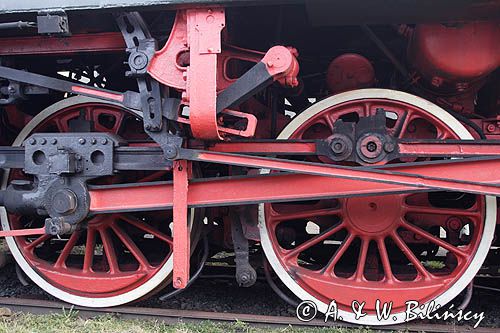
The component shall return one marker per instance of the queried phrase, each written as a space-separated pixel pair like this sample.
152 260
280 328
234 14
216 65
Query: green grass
434 264
70 322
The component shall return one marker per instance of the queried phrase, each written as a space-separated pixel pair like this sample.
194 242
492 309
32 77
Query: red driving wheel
112 258
394 248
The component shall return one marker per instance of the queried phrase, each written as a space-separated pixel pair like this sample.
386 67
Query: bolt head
104 141
389 147
170 152
64 202
32 141
53 141
371 146
82 141
138 60
93 141
454 223
338 147
43 141
178 283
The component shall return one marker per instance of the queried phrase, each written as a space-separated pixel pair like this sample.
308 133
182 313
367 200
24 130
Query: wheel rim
349 257
116 258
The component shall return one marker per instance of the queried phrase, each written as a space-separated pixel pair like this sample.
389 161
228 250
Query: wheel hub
373 215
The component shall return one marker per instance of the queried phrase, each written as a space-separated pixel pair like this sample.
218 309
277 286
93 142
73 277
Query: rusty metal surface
99 42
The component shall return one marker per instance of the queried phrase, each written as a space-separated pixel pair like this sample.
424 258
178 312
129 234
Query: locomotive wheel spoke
70 244
293 254
386 262
363 253
41 239
109 251
131 246
61 125
366 109
401 124
329 121
88 258
410 255
118 121
329 269
441 211
308 213
147 228
433 239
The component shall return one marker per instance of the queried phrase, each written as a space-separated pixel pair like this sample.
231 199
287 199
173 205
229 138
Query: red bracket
193 62
249 130
204 39
181 235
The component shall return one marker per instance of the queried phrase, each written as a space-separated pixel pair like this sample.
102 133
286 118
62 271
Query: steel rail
173 316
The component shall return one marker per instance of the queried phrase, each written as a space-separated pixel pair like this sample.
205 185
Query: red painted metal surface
413 148
457 53
369 248
247 132
204 40
169 65
94 43
230 57
275 146
22 232
237 190
108 258
194 62
245 190
281 63
382 212
97 93
349 71
439 182
181 230
433 149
